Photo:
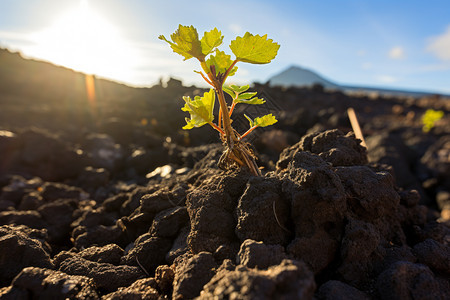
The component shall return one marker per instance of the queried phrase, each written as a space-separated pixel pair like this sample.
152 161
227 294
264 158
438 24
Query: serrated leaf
233 71
247 95
229 91
254 49
211 40
265 121
251 101
200 109
240 96
239 89
185 42
221 62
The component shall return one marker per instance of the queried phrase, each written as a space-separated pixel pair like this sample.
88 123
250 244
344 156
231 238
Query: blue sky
391 44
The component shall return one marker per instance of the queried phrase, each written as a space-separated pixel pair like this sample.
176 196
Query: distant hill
296 76
35 93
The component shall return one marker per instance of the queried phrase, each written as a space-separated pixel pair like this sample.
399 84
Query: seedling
430 117
217 66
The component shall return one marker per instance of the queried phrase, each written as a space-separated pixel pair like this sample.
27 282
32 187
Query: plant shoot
216 67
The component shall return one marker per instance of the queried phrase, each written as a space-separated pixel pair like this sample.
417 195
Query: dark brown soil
115 202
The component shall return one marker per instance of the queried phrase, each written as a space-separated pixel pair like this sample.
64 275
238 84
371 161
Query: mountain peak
298 76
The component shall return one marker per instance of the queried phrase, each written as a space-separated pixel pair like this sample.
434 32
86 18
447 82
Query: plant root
239 154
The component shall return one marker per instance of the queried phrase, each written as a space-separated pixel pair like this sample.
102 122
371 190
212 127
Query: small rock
52 191
106 276
214 200
134 199
191 274
43 283
58 216
17 251
360 241
262 213
99 235
145 288
169 222
179 246
434 254
164 276
148 252
288 280
110 253
29 218
405 280
258 255
115 202
331 145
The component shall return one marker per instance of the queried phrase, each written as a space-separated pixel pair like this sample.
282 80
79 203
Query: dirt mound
323 224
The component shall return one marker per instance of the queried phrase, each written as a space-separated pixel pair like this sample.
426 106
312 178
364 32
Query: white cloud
440 45
361 52
397 52
235 28
386 79
367 66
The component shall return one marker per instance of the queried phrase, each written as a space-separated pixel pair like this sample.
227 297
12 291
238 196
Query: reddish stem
229 70
248 131
217 128
206 79
219 122
232 107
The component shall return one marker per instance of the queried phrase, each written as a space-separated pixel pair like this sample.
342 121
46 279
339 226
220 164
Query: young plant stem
217 128
229 70
206 79
229 133
232 108
237 150
248 131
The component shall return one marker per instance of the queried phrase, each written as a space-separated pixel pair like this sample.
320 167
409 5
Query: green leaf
430 117
185 42
211 40
239 89
221 62
249 98
251 101
254 49
233 71
265 121
229 91
246 96
234 90
200 109
240 96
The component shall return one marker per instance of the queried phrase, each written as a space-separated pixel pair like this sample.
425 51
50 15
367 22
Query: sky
383 43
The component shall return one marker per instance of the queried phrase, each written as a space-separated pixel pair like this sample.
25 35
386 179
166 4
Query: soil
110 200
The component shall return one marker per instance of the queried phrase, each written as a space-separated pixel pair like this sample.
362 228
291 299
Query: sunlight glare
82 40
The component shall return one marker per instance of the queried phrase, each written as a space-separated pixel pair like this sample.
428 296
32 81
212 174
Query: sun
83 40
